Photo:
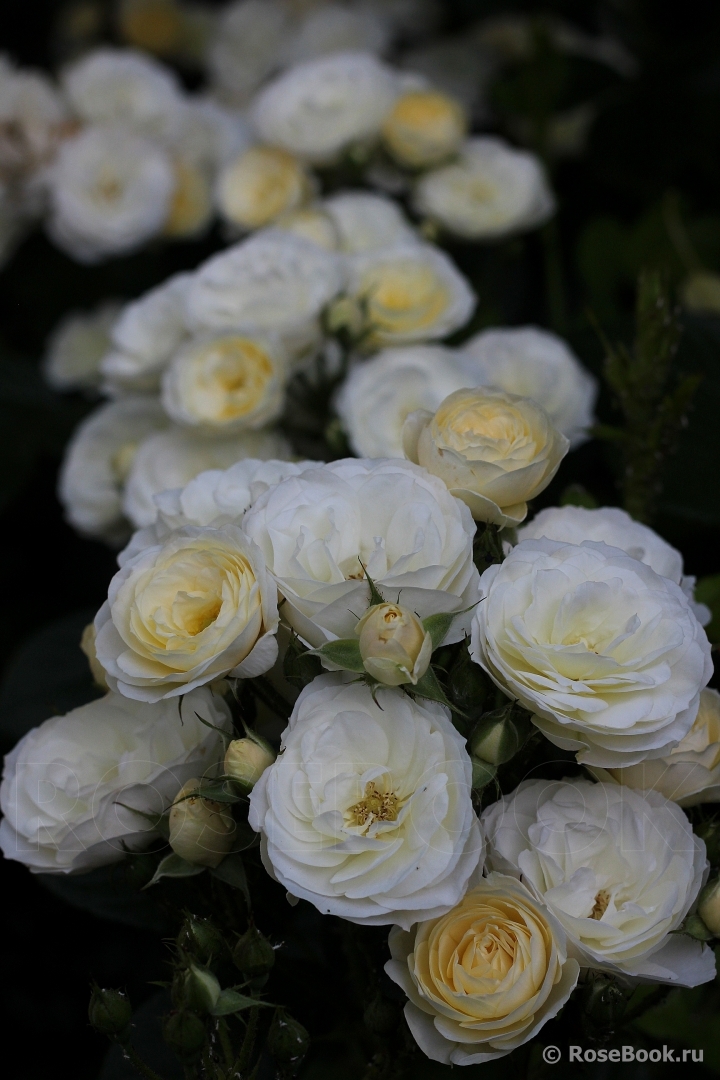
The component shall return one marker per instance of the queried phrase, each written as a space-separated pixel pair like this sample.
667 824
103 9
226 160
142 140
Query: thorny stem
248 1043
225 1044
137 1062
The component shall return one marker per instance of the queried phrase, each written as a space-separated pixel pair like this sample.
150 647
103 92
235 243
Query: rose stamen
601 904
375 806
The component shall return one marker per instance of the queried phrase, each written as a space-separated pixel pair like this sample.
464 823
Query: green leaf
230 1001
232 871
707 591
345 653
175 867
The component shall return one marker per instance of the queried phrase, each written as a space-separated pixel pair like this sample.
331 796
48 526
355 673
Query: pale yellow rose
394 645
87 644
191 202
689 773
186 612
201 831
311 223
261 184
227 382
247 759
423 128
484 978
493 450
409 293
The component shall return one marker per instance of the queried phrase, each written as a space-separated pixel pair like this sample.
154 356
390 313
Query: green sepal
695 928
345 652
219 791
159 822
230 1001
439 625
429 686
232 871
174 866
376 596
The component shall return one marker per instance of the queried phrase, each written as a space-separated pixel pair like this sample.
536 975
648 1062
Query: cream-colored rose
423 128
394 645
247 759
201 831
311 223
709 907
688 774
484 978
226 383
188 611
191 202
412 292
260 185
76 347
493 450
87 644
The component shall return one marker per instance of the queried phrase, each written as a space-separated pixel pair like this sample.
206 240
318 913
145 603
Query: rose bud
253 954
247 759
394 645
497 736
201 831
184 1033
709 906
109 1011
287 1040
200 937
195 988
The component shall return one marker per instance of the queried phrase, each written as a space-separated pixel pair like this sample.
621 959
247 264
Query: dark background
657 136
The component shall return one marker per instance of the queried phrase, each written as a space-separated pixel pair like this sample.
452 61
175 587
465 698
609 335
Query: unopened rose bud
394 645
184 1033
497 736
196 988
87 644
253 954
287 1040
200 938
344 316
604 1002
109 1012
709 906
201 831
247 759
482 773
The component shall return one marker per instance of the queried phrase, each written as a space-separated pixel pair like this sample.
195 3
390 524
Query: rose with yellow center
689 773
191 203
423 128
229 382
394 645
484 978
261 184
412 292
493 450
188 611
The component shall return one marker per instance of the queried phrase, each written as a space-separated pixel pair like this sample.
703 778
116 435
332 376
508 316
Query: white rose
618 868
423 128
77 345
367 811
174 457
33 121
228 382
318 529
319 108
615 527
484 978
210 135
368 222
537 364
493 450
690 773
97 461
65 783
249 39
606 653
311 223
380 393
412 292
333 28
272 282
493 191
192 609
261 184
148 333
110 191
127 87
455 65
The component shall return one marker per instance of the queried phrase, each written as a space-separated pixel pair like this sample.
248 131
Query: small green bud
382 1015
253 954
604 1002
184 1032
695 928
200 938
482 773
467 686
109 1012
287 1040
195 988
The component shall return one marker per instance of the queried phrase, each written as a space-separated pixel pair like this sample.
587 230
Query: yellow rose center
228 379
261 184
190 206
376 805
423 127
601 904
122 459
403 297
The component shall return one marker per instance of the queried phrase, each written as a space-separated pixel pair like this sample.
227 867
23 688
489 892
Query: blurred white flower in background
77 345
246 47
261 184
367 221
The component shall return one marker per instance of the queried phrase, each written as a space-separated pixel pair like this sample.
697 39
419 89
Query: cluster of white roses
367 812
